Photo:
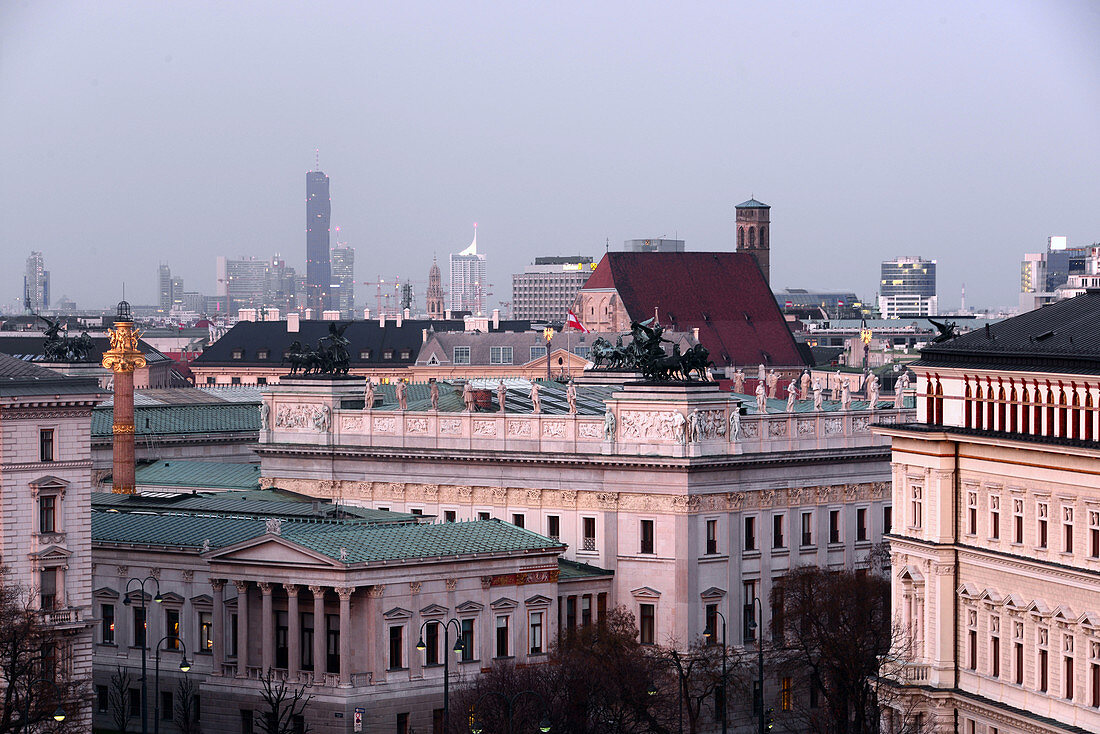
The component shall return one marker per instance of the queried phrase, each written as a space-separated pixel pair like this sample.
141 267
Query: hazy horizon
136 134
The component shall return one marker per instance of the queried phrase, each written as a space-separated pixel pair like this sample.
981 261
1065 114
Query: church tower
753 237
435 292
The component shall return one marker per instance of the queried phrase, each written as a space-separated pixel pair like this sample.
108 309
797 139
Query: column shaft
294 632
345 635
218 633
267 627
319 660
242 629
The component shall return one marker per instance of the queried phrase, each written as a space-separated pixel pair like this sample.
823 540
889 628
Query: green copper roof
259 503
352 542
174 419
568 570
200 474
753 204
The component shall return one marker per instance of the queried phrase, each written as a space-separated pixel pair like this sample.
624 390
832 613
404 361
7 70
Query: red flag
572 322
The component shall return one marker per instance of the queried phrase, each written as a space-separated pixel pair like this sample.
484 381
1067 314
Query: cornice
47 465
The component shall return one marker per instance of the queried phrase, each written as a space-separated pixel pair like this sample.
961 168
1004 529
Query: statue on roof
502 394
571 396
468 397
331 357
433 392
536 404
368 398
58 348
948 330
739 381
646 354
402 400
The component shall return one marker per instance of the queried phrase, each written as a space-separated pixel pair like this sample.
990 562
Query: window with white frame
500 355
995 646
994 517
502 635
462 355
534 636
1067 529
1017 521
916 506
1042 513
537 352
1094 533
971 513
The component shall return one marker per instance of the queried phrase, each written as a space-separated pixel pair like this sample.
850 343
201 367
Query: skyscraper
907 287
243 282
435 292
342 291
468 279
36 284
318 264
164 283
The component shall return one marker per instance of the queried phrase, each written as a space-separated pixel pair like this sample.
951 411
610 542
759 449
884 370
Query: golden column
123 358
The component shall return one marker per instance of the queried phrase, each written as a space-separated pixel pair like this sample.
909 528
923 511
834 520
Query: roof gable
271 550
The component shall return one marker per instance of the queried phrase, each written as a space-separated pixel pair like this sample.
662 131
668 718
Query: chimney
406 313
292 323
400 319
695 333
447 314
382 319
366 314
423 335
496 319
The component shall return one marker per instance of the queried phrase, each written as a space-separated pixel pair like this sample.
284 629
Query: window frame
464 351
47 444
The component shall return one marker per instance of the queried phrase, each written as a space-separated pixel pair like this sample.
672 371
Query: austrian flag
572 322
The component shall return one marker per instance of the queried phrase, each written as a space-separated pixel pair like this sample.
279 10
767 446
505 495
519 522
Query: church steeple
753 237
435 291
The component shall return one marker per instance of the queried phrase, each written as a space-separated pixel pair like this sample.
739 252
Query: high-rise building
753 222
283 286
654 244
36 284
243 282
318 265
435 292
546 290
342 289
164 286
1043 273
907 288
468 279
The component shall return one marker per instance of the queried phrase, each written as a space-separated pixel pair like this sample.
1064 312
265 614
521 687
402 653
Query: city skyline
918 136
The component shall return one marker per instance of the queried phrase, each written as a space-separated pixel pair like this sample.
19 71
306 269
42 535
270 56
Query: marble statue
836 390
761 398
536 405
739 381
900 387
804 392
265 412
872 391
845 397
433 389
571 396
502 393
468 397
368 399
773 384
817 395
760 373
402 401
792 396
678 424
693 427
609 426
735 423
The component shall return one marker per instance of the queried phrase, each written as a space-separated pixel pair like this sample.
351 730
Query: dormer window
238 354
262 354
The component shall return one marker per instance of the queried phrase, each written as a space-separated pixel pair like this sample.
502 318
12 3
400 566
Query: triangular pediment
171 597
712 594
105 592
396 614
52 553
1038 608
912 573
49 481
1014 601
989 596
271 550
469 607
1089 619
433 610
503 604
538 600
645 592
202 600
1063 613
968 591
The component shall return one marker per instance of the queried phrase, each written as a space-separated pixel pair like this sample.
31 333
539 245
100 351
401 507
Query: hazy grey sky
138 133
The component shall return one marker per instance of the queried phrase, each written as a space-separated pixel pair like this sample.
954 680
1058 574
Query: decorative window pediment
469 607
48 484
538 600
991 597
1063 614
433 610
645 592
1015 601
105 592
968 591
713 594
911 573
503 604
1038 608
171 598
52 556
202 600
1090 619
397 614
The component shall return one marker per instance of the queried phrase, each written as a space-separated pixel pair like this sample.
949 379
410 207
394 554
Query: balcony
69 616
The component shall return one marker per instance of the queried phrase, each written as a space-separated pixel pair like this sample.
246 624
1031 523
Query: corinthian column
345 592
242 628
267 627
218 633
294 633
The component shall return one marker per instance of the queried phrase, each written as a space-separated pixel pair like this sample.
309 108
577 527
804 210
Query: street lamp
476 726
760 660
144 641
548 334
184 667
709 633
458 648
58 714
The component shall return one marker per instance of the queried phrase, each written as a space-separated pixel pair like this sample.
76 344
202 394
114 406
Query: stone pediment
105 592
645 592
171 597
1090 619
538 600
52 553
469 607
1062 614
712 594
504 604
1038 608
49 481
433 610
271 550
989 596
968 590
912 573
202 600
397 614
1014 601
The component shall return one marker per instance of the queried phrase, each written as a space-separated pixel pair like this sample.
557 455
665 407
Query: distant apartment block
1042 274
36 284
908 288
545 291
653 244
342 288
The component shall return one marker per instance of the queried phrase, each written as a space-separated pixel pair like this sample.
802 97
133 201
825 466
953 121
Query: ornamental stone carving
416 425
767 498
384 424
553 429
302 417
452 584
430 492
750 429
534 497
450 426
351 424
376 591
778 428
414 587
122 570
500 495
188 575
589 430
519 428
806 428
834 426
650 425
607 500
485 428
155 573
568 496
861 424
465 493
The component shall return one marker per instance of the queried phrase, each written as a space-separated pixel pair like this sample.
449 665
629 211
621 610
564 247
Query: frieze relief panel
777 428
649 425
450 426
303 417
416 425
590 430
834 426
385 424
351 424
485 428
553 429
519 429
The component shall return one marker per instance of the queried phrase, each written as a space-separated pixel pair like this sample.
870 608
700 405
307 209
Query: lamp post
708 633
58 714
509 701
144 641
459 647
184 667
548 334
759 659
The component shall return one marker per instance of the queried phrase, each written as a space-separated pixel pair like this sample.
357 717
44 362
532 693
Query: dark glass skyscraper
318 265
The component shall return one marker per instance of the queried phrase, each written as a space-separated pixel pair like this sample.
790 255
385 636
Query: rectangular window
750 533
135 702
45 445
332 643
1067 678
748 620
537 352
416 511
206 632
834 526
47 582
502 636
1042 514
971 513
712 537
172 629
646 545
396 647
778 540
648 623
1018 521
1019 663
994 518
483 516
807 528
467 640
234 381
710 629
1094 534
553 526
861 524
449 516
165 705
917 507
139 627
586 610
282 640
462 355
246 721
47 513
1044 682
535 636
107 626
306 645
431 643
995 657
1094 684
589 539
403 723
500 355
972 636
785 693
887 519
102 699
1067 530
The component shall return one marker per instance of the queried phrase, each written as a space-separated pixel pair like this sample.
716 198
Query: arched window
990 405
978 412
1037 409
1089 412
930 403
1025 409
1002 409
1050 411
1014 422
968 404
1075 414
752 238
939 402
1063 412
740 236
763 236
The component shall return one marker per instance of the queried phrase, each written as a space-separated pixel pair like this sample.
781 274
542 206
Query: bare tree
35 686
118 699
698 679
186 713
284 707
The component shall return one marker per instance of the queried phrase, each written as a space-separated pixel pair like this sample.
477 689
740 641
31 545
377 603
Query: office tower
282 288
654 244
318 265
242 282
1044 273
546 290
36 284
753 222
907 288
342 290
468 279
164 283
435 292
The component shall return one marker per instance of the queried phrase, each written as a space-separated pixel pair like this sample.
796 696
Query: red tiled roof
723 294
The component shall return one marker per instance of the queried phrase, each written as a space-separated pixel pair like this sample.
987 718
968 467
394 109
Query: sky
136 133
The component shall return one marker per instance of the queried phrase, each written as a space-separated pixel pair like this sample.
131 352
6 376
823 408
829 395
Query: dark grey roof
181 419
253 337
18 378
31 348
1060 337
259 503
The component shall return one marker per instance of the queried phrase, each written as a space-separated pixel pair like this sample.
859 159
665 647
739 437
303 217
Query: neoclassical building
996 543
45 486
695 501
